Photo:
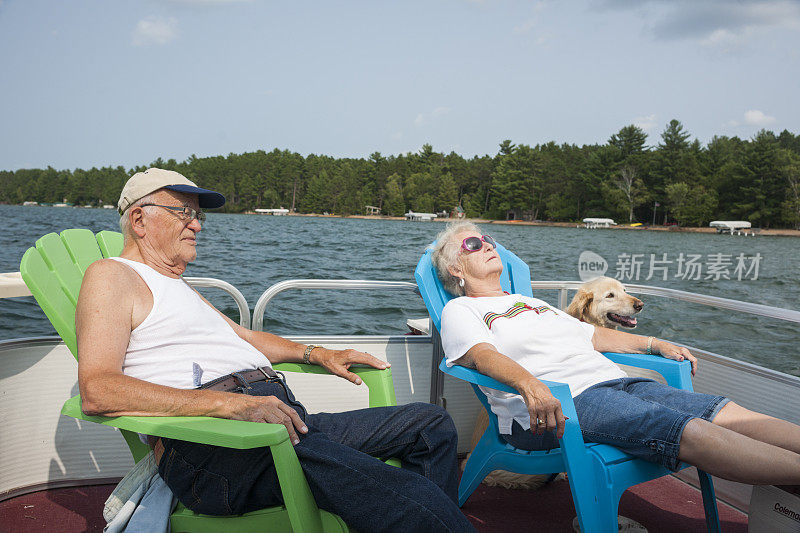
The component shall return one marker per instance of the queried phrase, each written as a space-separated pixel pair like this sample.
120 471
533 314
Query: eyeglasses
473 244
184 212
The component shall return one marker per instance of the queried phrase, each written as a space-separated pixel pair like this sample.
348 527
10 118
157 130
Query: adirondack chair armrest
379 382
201 429
677 374
300 504
559 390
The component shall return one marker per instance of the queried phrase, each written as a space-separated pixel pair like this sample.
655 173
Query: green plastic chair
53 271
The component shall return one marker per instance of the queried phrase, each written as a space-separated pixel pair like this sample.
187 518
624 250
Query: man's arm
104 319
610 340
540 401
280 350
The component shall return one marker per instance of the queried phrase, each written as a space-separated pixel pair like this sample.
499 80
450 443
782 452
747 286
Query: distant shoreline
677 229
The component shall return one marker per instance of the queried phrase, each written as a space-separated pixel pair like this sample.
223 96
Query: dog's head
604 302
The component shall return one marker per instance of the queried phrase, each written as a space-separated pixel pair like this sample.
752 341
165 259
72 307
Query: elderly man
149 344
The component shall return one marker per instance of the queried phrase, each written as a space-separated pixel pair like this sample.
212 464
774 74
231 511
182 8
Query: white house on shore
275 212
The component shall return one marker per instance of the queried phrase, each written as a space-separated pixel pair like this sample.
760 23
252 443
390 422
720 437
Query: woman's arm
541 403
611 340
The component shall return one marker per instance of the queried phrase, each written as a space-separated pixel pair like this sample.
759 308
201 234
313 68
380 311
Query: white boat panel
751 386
409 355
37 445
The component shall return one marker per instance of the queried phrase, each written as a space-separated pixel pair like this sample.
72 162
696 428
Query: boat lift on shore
734 227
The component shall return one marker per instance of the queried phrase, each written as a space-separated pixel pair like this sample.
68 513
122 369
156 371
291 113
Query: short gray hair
125 219
446 254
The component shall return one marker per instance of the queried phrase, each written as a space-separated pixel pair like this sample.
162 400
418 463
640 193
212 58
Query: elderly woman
520 340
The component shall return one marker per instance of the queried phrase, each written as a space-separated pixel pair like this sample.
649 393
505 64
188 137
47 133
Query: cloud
712 23
647 122
531 22
526 26
757 118
425 118
753 117
155 31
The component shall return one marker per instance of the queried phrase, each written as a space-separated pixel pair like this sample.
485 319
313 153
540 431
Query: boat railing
340 284
563 288
713 301
12 286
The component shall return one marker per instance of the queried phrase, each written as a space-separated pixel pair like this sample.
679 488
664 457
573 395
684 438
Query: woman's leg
759 426
730 455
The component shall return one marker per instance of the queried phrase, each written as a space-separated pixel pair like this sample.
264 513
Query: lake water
255 252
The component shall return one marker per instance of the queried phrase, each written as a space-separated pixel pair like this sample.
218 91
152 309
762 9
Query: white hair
125 219
446 254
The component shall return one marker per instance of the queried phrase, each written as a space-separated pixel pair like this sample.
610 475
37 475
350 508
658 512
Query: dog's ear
580 303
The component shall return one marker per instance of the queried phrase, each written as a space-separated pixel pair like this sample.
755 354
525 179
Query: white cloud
757 118
647 122
530 23
155 31
754 118
718 24
397 135
525 27
425 118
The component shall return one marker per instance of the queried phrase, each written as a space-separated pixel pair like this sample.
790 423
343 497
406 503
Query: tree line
676 180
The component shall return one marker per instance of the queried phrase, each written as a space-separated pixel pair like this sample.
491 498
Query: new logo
591 265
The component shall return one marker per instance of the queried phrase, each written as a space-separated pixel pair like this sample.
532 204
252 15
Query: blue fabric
338 457
639 416
147 508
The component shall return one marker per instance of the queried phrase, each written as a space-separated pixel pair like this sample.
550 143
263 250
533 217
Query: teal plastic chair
598 473
53 271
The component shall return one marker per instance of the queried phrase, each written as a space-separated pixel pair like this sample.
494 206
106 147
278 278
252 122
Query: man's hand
267 409
542 405
338 362
678 353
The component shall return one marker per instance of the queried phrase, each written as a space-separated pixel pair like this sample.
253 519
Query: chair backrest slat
110 243
47 290
53 271
82 247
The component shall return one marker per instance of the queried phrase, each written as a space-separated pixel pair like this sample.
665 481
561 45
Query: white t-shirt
546 341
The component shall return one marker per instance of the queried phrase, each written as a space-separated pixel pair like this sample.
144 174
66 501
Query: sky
90 83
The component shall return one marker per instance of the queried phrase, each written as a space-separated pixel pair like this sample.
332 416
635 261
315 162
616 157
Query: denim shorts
640 416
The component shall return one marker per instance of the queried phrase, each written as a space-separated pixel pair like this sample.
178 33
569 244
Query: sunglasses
473 244
183 212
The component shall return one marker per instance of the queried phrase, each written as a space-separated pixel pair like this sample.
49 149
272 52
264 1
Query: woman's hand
678 353
543 407
338 362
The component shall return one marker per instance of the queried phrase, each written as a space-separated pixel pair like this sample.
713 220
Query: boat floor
662 505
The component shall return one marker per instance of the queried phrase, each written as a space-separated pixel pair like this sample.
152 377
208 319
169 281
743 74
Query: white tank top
183 342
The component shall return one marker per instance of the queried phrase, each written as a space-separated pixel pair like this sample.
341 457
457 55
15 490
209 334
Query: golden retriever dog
603 302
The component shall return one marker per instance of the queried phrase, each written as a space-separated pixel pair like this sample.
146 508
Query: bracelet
307 353
650 345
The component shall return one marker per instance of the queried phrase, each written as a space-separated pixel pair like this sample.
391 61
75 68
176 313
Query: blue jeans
338 456
639 416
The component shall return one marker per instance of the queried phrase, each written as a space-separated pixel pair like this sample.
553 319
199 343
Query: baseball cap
143 183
